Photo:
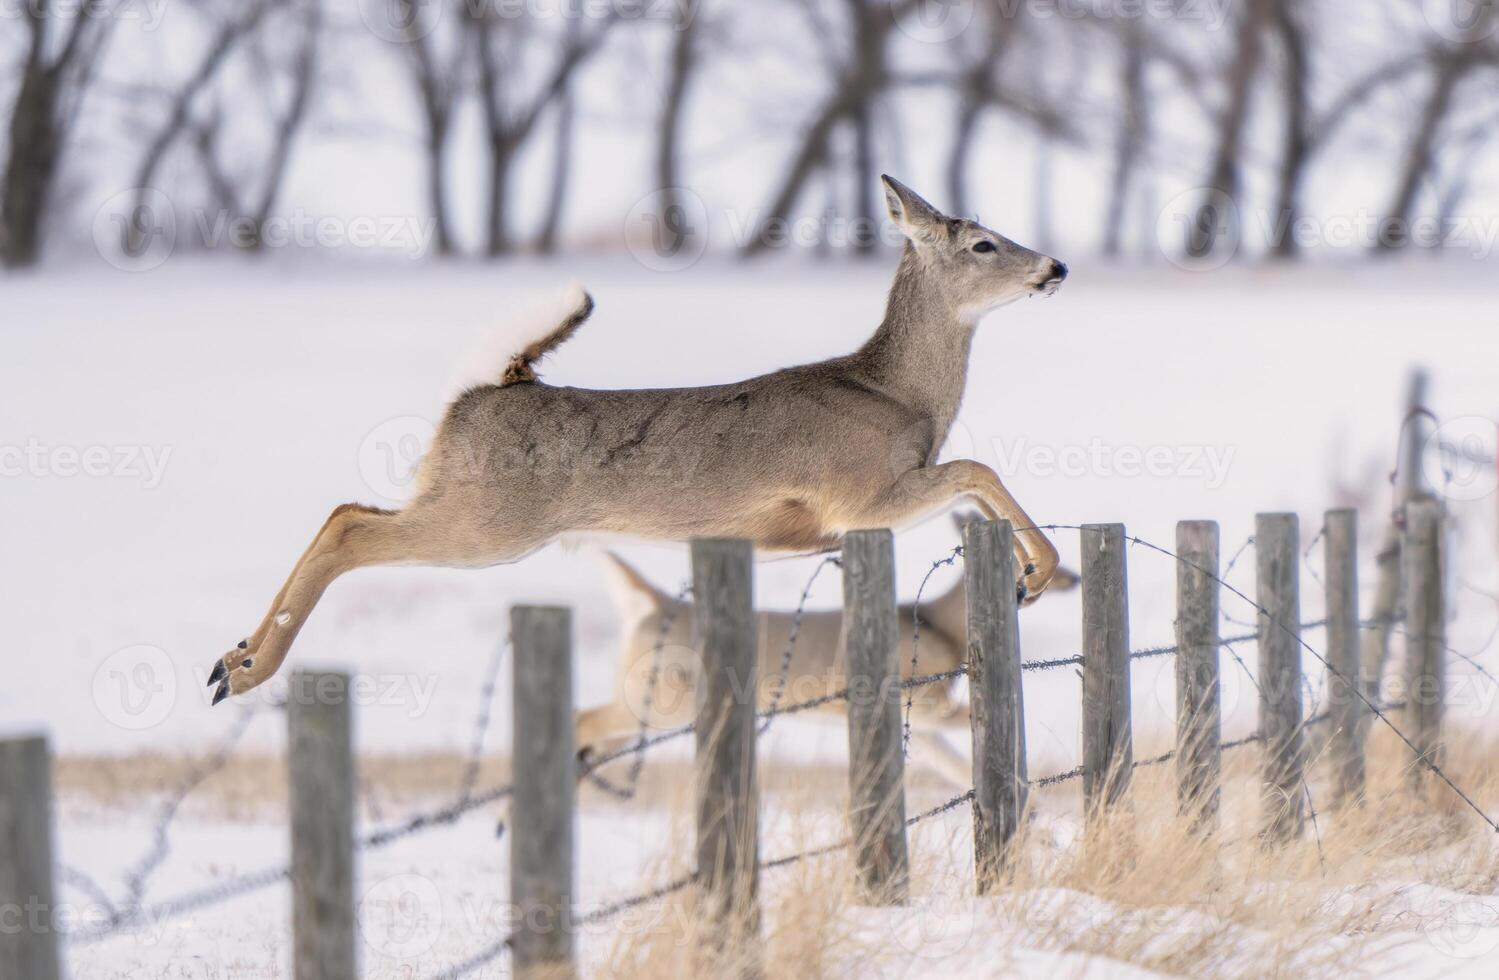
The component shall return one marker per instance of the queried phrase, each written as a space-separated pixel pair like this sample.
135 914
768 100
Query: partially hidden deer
801 658
788 460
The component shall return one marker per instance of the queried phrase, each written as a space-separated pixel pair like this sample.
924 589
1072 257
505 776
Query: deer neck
919 354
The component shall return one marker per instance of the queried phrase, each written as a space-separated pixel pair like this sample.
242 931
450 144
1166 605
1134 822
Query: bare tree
1290 29
1308 131
686 35
1451 64
562 166
1141 47
253 196
179 120
1132 135
48 98
510 118
1224 174
861 76
438 77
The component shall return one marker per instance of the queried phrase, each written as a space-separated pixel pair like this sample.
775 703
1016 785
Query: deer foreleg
922 491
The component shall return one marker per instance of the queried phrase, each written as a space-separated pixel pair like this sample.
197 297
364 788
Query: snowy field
180 434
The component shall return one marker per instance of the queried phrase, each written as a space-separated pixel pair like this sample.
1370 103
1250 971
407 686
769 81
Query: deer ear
916 219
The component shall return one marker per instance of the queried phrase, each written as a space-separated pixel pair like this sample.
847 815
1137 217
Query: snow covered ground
172 439
438 898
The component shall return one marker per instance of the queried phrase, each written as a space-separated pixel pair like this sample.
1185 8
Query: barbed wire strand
778 689
1421 757
948 559
140 874
637 763
481 721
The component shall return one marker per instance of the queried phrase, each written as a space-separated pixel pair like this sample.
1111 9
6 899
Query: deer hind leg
922 491
353 536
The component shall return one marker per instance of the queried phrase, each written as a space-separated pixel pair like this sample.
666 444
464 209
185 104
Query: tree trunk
1129 143
669 130
1298 146
179 118
964 131
304 74
809 157
32 166
48 96
1204 236
864 230
497 234
562 163
1395 229
437 181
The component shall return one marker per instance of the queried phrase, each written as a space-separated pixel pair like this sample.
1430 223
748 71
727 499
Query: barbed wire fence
132 910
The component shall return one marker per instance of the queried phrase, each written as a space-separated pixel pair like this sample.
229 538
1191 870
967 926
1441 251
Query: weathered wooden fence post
1199 719
1375 642
997 708
320 759
728 840
1108 740
1344 664
876 767
1276 542
1425 631
28 933
541 836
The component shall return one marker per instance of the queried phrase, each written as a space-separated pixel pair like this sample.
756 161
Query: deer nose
1058 270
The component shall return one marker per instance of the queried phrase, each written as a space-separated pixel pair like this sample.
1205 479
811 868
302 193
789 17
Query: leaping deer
789 460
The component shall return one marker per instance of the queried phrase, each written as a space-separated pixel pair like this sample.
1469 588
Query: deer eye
983 246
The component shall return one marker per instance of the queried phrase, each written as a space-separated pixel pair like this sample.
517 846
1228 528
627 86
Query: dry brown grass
253 786
1142 886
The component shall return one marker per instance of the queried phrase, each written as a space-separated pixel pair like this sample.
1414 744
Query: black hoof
219 672
1021 592
221 693
243 644
1030 568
